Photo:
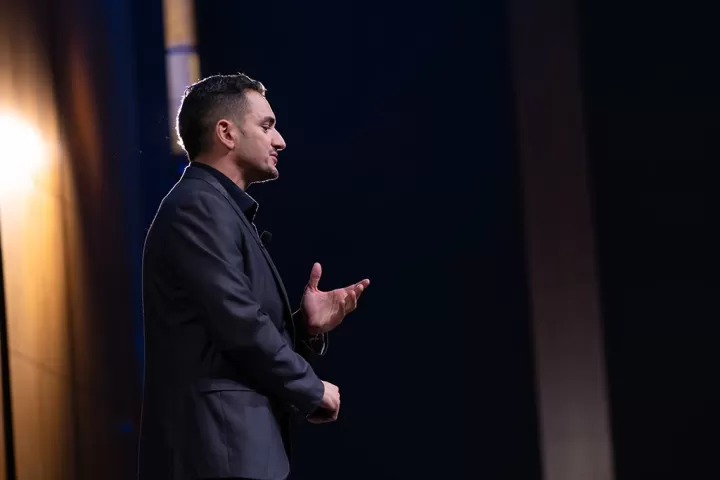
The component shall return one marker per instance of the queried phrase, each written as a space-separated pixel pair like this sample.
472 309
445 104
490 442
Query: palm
323 307
326 310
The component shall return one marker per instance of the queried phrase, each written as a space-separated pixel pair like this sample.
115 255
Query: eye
266 128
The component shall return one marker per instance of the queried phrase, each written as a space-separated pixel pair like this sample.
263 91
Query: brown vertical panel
570 365
98 268
31 218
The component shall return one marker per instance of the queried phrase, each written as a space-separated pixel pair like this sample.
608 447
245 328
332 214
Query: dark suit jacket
222 375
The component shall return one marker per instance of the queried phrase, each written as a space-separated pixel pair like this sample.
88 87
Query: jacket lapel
253 233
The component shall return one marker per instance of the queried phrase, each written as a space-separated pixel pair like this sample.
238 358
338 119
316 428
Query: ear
224 130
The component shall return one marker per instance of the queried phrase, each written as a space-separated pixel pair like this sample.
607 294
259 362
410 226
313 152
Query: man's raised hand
326 310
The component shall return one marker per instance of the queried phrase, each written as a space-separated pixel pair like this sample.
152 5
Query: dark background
652 100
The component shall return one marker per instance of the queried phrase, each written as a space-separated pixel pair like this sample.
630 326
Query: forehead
257 106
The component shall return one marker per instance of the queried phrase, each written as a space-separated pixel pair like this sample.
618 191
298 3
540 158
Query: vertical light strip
576 441
182 63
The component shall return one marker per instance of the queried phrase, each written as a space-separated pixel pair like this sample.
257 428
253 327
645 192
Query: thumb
315 275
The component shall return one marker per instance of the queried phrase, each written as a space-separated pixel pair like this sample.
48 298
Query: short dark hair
207 101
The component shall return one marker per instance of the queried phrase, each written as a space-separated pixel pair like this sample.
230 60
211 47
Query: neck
227 167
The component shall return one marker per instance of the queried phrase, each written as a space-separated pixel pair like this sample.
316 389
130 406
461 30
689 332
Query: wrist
314 331
300 317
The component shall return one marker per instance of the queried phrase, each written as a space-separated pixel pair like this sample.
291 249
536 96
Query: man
226 360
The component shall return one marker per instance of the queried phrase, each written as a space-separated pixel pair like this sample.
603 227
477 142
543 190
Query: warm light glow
22 153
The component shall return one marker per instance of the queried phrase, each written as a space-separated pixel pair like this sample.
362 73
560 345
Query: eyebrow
269 120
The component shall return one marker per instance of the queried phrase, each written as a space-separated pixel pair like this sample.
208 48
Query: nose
278 142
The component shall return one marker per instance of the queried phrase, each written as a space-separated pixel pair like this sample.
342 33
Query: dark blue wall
400 167
651 92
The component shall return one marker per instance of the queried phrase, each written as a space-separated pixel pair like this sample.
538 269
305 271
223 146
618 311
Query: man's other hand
329 407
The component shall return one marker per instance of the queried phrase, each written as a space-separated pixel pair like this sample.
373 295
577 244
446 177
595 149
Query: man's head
228 117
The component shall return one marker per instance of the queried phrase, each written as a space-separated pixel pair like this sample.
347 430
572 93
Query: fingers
318 420
324 416
361 286
358 290
315 275
351 301
353 293
327 417
331 396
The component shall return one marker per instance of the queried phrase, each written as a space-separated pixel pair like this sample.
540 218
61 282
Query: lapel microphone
265 238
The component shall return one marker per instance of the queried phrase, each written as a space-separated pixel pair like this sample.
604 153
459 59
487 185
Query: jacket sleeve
205 247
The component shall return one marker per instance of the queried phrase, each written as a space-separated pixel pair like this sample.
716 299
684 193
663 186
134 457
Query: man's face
258 141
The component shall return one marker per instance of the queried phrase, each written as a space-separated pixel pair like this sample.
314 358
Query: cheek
264 147
255 147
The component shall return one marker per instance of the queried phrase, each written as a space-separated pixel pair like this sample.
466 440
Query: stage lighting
22 154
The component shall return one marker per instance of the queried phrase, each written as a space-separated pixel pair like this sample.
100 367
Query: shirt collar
247 204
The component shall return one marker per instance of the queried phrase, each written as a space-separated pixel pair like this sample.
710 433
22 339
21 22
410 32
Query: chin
267 176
